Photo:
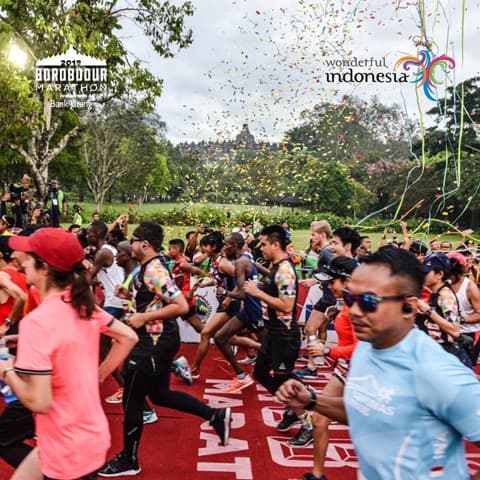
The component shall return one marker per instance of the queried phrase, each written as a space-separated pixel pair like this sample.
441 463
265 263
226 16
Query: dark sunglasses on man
367 302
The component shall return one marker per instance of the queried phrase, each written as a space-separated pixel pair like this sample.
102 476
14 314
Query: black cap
340 267
418 247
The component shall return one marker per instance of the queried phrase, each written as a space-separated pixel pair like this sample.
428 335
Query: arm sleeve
452 393
345 350
35 347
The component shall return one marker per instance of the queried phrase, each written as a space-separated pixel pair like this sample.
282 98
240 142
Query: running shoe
120 466
117 397
288 420
303 438
149 416
311 476
221 421
248 360
306 372
182 369
239 384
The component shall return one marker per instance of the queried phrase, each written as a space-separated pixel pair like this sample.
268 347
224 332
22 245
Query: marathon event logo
73 76
427 70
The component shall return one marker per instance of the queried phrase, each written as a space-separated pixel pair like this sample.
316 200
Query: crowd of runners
77 306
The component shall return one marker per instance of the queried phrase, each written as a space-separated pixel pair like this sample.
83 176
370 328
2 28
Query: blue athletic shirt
408 408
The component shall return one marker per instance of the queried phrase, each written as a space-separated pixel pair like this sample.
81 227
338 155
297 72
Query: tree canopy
44 28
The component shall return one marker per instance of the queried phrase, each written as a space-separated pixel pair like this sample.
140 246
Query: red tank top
182 279
18 279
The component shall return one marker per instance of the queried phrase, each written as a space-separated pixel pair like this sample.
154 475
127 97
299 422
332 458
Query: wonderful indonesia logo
424 68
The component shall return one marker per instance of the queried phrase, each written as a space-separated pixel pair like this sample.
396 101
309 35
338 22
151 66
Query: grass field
234 209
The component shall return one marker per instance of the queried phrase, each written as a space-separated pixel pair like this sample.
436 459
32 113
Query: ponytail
81 297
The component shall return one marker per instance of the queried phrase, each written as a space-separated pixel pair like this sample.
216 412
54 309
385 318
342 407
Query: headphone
144 245
406 308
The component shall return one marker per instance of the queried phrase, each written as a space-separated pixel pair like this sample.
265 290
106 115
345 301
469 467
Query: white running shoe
182 369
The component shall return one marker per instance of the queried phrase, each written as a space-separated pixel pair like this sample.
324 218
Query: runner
223 278
337 275
441 314
158 303
250 316
409 403
182 272
131 268
281 344
56 371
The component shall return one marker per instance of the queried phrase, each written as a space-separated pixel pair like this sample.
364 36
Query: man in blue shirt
409 403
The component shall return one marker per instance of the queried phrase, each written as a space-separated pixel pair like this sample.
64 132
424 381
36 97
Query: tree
94 28
346 131
452 153
124 147
326 187
448 112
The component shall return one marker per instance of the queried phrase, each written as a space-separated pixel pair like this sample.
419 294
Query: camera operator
18 197
57 203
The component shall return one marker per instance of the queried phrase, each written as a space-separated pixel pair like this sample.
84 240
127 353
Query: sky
264 61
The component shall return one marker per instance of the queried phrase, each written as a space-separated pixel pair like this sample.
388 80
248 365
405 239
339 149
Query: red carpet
183 446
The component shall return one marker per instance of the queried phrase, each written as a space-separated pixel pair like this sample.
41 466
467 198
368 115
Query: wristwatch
7 322
313 398
429 312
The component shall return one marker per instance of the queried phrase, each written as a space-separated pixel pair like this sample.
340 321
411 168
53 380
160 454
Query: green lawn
234 209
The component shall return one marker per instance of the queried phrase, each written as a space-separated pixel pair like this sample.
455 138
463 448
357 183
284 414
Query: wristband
326 350
8 369
8 322
313 398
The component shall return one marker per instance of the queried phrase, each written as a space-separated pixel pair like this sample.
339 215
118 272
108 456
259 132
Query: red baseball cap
60 249
459 257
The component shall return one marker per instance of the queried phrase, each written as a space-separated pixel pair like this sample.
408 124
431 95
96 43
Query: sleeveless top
466 308
182 279
252 304
157 333
110 277
222 280
445 303
19 279
282 280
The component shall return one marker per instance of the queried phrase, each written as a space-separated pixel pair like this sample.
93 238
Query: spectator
57 203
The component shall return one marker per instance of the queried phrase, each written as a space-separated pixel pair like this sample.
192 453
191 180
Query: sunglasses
367 302
133 239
